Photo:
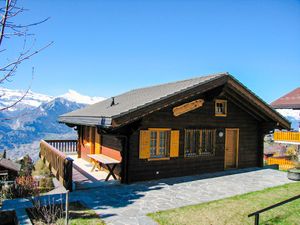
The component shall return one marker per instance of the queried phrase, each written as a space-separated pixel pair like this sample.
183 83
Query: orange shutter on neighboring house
97 143
174 145
144 144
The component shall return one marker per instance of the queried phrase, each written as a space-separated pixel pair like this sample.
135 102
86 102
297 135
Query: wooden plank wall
203 117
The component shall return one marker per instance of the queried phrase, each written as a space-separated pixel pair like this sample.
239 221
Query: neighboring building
289 106
200 125
10 167
288 101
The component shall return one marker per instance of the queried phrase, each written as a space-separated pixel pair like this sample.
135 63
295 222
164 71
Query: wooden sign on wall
179 110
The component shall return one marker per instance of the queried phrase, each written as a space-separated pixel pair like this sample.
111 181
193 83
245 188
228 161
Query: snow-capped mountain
35 118
31 99
74 96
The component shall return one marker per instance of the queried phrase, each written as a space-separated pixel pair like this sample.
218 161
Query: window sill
220 115
159 159
199 156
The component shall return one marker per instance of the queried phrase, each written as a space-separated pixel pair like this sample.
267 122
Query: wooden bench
109 162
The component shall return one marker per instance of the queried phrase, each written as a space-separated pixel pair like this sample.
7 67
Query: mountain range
35 118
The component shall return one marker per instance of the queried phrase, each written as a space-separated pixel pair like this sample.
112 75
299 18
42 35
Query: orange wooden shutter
144 144
97 143
174 146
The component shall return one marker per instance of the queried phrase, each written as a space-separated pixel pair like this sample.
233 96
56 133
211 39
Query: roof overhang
104 122
287 106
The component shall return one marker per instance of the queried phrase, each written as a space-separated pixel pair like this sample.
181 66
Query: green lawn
235 210
79 215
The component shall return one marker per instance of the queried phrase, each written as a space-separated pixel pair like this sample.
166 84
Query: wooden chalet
9 169
200 125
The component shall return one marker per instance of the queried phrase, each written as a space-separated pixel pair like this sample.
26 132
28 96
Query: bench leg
111 172
94 167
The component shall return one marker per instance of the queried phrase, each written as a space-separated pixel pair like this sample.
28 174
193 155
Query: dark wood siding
11 173
204 117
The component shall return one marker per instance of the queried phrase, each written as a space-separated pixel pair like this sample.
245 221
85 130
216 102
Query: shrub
291 151
40 169
24 186
46 184
26 166
46 212
44 176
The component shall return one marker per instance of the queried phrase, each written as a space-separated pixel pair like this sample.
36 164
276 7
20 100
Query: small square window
221 108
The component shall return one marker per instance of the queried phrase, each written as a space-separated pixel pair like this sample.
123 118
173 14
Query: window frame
158 156
221 114
197 152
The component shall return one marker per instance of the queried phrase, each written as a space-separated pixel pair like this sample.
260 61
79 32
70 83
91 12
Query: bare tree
10 29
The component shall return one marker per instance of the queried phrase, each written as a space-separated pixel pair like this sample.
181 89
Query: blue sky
103 48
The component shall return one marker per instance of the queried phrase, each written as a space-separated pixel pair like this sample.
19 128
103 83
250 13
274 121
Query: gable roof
289 101
10 165
133 102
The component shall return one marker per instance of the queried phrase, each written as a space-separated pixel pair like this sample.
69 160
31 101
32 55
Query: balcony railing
66 146
61 166
287 136
282 162
256 214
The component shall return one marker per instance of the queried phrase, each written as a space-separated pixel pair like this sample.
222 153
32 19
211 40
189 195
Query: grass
78 215
295 170
235 210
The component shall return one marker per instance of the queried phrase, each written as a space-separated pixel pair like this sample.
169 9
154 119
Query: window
221 108
159 143
199 142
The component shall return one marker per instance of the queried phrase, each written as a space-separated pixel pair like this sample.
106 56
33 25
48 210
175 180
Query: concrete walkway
129 204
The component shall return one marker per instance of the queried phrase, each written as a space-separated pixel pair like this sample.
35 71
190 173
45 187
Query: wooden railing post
68 172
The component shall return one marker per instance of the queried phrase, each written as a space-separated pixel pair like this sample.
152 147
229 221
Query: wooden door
231 148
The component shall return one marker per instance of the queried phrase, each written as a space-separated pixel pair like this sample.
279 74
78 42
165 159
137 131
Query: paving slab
129 204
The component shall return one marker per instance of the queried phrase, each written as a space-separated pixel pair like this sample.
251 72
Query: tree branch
4 19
